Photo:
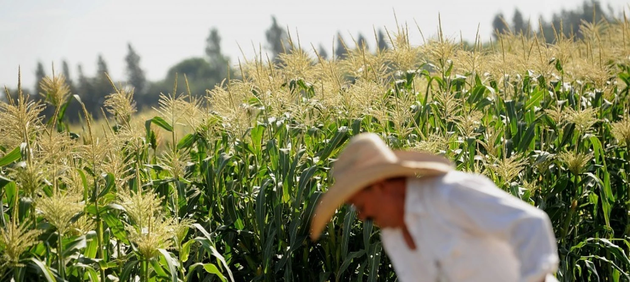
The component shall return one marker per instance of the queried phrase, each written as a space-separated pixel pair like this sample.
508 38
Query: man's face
376 202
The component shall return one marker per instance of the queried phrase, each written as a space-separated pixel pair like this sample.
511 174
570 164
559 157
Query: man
438 224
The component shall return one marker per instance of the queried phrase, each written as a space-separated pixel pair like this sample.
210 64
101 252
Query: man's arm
478 206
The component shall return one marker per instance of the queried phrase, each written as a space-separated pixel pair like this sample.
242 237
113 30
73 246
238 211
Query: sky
164 33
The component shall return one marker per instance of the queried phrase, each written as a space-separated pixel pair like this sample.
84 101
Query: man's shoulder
461 177
453 179
456 186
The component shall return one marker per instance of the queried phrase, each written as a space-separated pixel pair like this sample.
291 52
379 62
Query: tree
198 72
340 50
66 73
101 82
101 88
84 89
518 24
382 42
218 62
499 25
39 75
135 74
101 66
322 52
567 23
276 38
193 68
84 83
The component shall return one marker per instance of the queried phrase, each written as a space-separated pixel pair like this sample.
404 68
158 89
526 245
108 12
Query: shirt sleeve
478 206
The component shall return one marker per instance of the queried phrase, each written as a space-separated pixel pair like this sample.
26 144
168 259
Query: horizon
163 33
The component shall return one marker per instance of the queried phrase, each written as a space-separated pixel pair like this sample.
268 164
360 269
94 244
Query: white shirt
466 230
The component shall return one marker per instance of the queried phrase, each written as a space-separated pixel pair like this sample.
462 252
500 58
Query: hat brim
409 163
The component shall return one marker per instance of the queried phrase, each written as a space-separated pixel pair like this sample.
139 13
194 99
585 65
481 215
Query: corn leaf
12 156
162 123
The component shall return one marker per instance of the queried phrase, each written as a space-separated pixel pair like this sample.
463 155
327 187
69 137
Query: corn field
222 186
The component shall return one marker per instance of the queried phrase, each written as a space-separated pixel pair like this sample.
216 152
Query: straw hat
366 160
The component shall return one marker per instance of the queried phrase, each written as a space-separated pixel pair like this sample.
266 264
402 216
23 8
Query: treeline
201 72
206 71
565 23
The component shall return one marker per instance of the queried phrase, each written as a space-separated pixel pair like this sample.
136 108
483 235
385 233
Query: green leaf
361 271
230 208
208 267
62 112
368 225
25 204
84 181
257 134
591 267
202 230
356 126
476 94
558 65
607 197
212 269
261 208
597 149
93 275
89 273
483 103
510 107
207 245
347 228
347 261
310 210
171 262
11 157
340 136
268 247
375 261
107 265
43 269
4 181
128 269
187 141
149 134
159 270
11 191
567 133
305 178
110 182
526 140
449 69
185 251
162 123
609 261
116 226
92 246
534 99
74 246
